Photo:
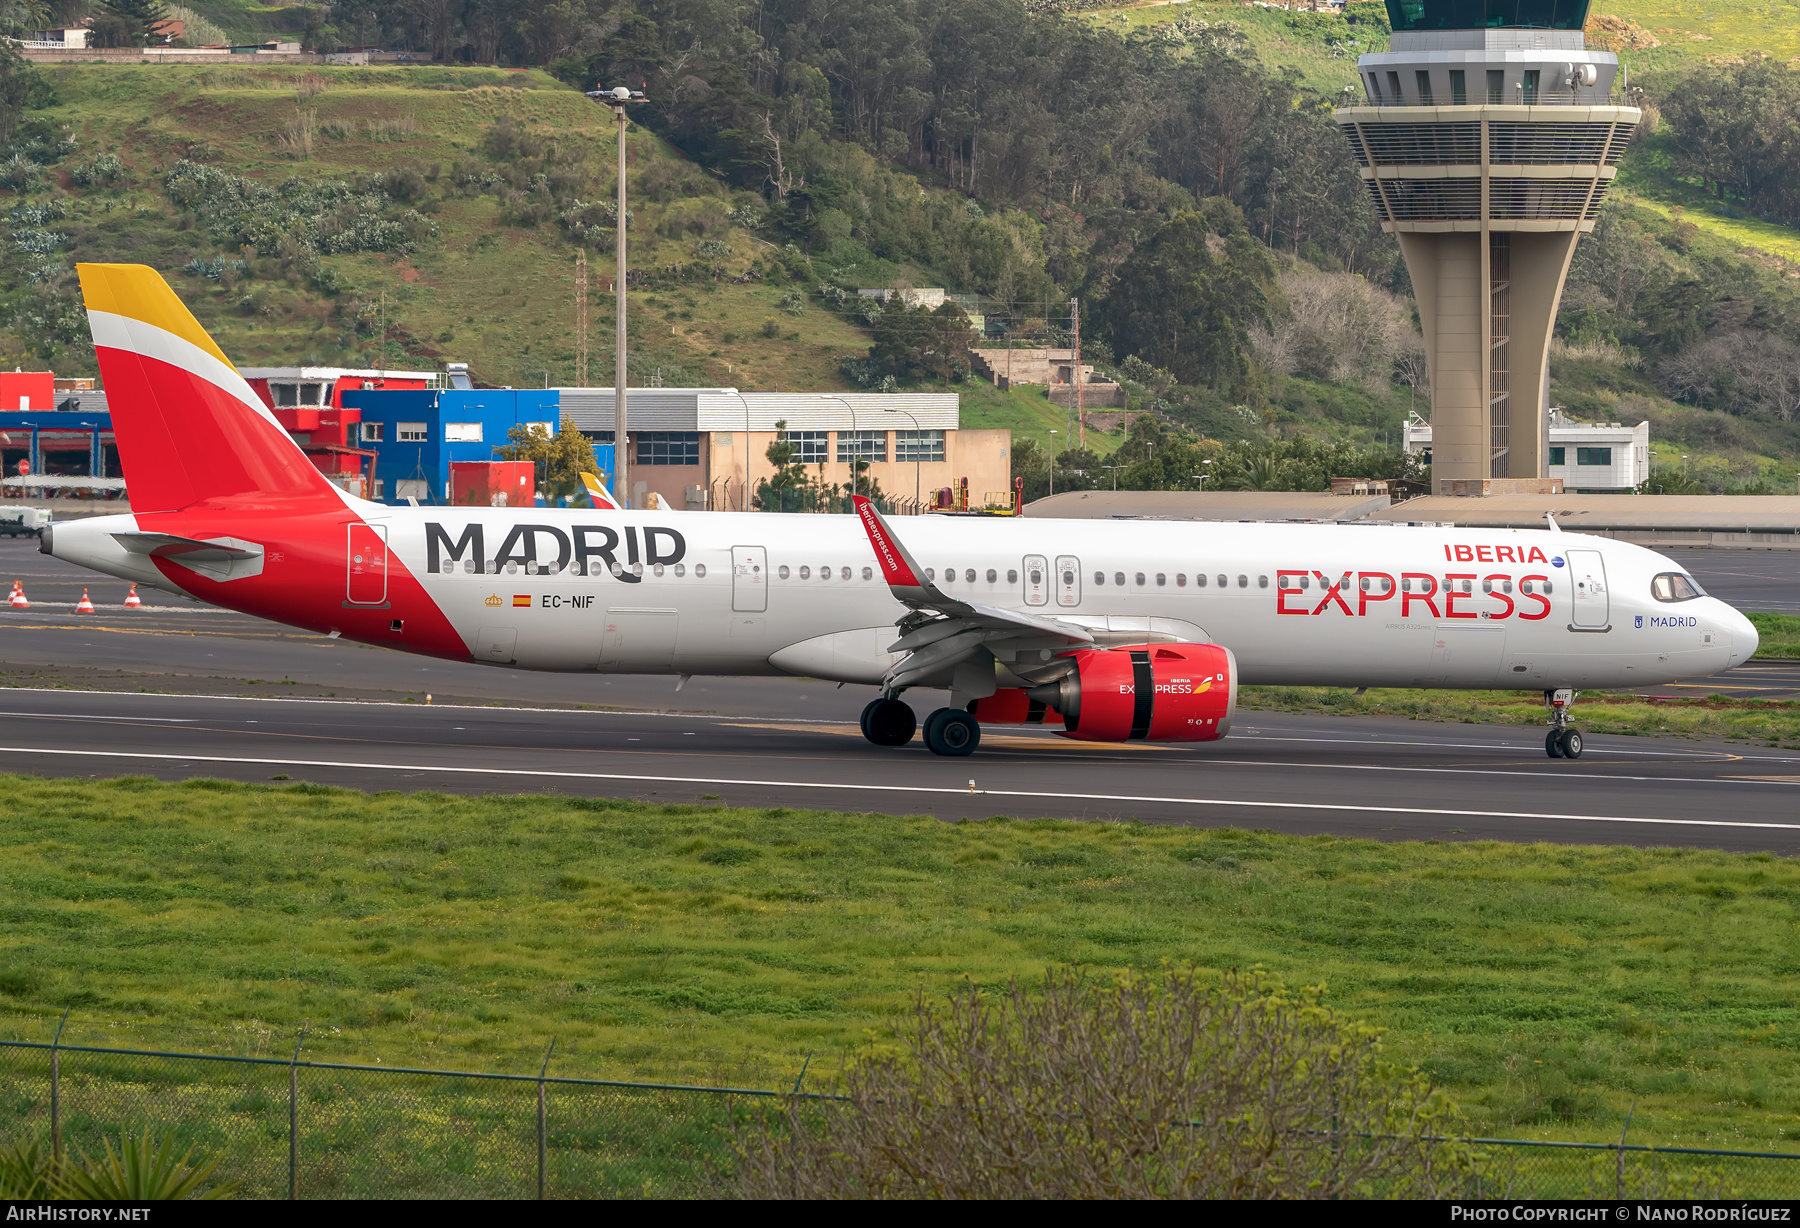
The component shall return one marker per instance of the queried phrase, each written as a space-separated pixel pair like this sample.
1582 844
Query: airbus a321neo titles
1116 632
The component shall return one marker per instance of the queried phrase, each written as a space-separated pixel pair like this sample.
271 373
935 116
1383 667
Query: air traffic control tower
1487 142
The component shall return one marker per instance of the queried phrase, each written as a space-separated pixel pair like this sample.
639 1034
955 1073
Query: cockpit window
1675 586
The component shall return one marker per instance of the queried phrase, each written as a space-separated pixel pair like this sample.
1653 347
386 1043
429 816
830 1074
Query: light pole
917 444
618 98
1115 469
1053 464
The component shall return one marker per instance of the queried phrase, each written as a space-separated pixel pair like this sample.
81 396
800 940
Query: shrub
1172 1085
99 171
794 303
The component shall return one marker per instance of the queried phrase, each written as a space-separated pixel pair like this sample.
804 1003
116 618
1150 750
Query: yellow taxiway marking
1780 780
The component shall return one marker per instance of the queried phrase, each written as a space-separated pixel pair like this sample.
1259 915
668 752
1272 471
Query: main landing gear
888 722
948 731
1562 741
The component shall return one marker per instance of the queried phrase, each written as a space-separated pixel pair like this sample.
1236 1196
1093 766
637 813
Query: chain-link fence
301 1129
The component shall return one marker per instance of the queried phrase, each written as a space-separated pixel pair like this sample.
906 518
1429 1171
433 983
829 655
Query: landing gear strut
888 722
1562 741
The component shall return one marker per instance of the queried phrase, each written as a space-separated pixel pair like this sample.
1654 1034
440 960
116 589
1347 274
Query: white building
1589 457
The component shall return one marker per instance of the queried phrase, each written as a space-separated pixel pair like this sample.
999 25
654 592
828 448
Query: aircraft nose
1745 639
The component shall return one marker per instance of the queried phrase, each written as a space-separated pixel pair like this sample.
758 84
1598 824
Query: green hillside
472 279
409 215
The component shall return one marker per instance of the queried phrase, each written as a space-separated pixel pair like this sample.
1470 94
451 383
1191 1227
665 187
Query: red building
308 402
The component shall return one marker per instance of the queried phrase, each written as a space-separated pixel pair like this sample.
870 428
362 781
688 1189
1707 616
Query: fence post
294 1117
1619 1184
56 1092
542 1131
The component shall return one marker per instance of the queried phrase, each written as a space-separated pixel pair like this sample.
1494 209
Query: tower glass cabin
1487 140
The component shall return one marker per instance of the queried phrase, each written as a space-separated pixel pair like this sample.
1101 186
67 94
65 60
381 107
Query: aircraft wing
939 631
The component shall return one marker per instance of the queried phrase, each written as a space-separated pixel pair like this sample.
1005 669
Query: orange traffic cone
17 601
132 600
84 606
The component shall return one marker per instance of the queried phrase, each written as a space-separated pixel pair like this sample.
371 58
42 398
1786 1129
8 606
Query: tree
17 82
561 458
128 23
1185 301
1172 1084
788 489
922 343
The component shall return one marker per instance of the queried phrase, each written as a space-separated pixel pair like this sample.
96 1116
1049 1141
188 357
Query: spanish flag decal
521 599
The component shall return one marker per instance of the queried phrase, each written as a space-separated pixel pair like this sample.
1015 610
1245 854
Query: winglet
905 578
598 495
1550 517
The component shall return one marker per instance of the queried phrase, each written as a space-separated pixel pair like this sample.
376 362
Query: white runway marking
1335 808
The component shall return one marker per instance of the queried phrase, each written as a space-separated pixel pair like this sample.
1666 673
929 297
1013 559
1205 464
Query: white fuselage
734 593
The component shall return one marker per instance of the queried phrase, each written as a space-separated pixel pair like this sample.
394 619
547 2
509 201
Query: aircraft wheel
1570 744
1553 744
889 722
951 732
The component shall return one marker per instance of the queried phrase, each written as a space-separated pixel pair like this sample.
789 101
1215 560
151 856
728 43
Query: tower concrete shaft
1487 153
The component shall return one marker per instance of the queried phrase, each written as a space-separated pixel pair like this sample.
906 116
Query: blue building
415 435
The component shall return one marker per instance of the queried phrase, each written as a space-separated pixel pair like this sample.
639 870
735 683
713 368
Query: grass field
1547 988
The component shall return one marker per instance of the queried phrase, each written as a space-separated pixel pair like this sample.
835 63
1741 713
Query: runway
176 691
1384 779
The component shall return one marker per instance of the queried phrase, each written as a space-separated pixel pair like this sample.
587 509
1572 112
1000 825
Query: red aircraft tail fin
189 428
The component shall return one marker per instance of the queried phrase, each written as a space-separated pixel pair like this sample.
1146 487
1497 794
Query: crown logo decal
494 599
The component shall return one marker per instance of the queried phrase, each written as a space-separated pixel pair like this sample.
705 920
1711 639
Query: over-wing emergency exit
1104 631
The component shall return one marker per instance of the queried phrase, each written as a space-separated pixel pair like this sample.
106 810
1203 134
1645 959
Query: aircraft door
1037 579
749 579
638 639
366 564
1587 577
1068 580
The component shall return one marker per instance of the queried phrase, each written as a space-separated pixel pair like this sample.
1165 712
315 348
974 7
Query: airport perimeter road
1376 778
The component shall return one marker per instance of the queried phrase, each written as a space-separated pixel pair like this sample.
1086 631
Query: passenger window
1140 579
1199 579
868 573
1263 581
1119 578
1223 582
1181 579
1012 577
824 573
783 572
969 575
1099 579
992 575
806 573
680 568
930 574
1243 581
1161 580
845 572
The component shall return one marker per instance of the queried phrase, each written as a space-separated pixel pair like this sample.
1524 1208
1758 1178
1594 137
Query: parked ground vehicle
17 520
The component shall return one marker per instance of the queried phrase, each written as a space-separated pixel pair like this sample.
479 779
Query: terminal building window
289 396
810 446
1557 455
862 446
409 432
462 432
372 431
668 448
919 446
1593 456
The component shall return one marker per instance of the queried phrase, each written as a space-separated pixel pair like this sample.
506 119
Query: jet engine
1143 692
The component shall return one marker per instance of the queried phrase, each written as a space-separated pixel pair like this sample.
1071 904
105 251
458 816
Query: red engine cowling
1146 692
1011 706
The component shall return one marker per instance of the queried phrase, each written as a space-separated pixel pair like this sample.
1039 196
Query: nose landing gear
1562 741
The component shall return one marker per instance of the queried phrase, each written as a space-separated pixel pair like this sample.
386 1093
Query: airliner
1101 631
